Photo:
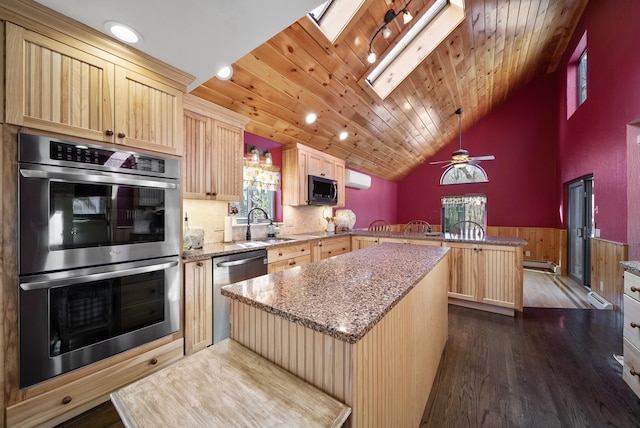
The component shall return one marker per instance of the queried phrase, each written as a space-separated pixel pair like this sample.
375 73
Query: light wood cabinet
288 256
214 148
631 332
198 305
360 242
74 91
298 162
411 241
487 274
76 396
329 247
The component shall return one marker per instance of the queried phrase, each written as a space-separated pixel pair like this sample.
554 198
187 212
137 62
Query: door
579 227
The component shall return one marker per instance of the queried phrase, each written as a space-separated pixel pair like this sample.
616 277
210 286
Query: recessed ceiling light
123 32
343 135
311 117
225 73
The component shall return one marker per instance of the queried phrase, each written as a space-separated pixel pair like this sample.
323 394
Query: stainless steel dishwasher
227 270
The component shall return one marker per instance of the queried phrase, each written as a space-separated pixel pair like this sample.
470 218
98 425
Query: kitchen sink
263 242
273 241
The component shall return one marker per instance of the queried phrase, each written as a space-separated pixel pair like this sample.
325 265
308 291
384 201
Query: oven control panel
78 153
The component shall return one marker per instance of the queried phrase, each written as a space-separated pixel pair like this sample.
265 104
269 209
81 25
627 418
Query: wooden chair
417 226
380 226
467 229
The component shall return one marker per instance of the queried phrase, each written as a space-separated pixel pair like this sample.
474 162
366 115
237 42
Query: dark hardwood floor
544 368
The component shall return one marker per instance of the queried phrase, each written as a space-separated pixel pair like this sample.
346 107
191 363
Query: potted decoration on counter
331 226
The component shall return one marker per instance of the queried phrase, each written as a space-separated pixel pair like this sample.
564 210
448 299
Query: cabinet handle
153 361
634 373
121 135
214 194
108 132
322 174
302 249
199 264
279 254
634 325
635 289
329 252
66 400
291 263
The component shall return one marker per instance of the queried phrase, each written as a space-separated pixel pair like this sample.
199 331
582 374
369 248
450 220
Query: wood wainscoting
606 271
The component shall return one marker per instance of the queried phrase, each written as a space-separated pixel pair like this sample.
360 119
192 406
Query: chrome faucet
248 237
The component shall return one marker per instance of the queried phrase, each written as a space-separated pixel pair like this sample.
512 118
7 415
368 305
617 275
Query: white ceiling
195 36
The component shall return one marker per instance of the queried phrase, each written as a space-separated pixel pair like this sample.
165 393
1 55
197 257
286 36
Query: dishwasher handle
239 262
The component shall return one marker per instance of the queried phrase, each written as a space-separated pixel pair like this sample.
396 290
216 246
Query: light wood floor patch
544 290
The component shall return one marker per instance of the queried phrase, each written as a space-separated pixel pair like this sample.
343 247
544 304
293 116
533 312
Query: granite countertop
222 249
343 296
631 266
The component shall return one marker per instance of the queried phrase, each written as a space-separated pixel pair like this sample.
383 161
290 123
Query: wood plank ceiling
499 47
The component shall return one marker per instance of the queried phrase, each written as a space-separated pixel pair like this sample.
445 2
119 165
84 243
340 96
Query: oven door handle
96 177
46 284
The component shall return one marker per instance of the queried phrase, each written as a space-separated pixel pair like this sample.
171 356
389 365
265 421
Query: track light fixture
386 31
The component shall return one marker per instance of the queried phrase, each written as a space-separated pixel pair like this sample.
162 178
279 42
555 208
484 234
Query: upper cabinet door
58 88
197 135
227 162
148 113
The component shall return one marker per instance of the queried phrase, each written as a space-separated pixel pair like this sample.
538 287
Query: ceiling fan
460 158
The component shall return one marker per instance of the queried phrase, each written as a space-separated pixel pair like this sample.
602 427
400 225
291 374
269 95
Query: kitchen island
367 327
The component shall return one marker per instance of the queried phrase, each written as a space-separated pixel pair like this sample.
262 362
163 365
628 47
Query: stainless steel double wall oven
99 243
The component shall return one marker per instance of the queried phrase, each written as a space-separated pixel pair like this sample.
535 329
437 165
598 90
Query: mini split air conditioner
356 179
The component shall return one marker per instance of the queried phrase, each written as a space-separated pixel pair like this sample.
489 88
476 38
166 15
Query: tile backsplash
209 215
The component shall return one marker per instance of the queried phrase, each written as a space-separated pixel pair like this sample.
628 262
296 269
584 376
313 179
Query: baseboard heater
598 301
539 264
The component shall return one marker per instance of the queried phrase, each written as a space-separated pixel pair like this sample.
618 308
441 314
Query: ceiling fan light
460 165
371 58
343 135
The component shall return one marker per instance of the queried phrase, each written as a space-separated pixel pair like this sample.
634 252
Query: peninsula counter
367 327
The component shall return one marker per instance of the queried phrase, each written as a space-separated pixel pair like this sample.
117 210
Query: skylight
333 16
424 36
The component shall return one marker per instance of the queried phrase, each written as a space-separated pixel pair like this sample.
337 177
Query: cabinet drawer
289 263
334 247
632 285
76 394
631 364
631 318
288 251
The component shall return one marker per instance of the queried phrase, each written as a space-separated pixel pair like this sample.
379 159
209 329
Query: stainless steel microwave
322 191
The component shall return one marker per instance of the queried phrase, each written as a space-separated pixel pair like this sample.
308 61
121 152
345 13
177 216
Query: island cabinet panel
385 377
411 241
463 277
489 275
198 303
83 92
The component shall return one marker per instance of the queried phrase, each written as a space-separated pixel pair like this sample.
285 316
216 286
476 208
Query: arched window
466 174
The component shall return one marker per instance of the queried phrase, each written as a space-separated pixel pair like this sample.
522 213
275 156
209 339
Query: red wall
377 202
593 140
522 190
